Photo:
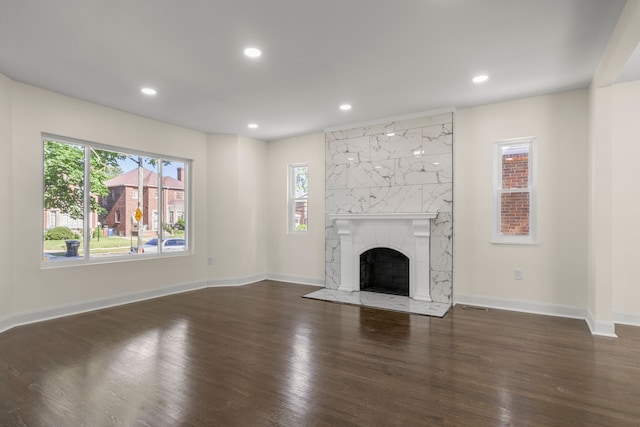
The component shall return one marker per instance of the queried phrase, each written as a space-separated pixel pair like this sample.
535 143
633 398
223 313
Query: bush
179 225
60 233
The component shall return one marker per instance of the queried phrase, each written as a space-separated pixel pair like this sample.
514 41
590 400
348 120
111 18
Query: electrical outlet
210 260
518 274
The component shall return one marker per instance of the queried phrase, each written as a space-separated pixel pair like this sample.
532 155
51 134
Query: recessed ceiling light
252 52
148 91
480 79
391 134
345 107
252 126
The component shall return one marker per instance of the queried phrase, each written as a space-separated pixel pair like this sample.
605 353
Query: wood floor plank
260 355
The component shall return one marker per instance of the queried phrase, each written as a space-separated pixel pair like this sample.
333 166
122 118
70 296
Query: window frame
292 199
531 189
86 258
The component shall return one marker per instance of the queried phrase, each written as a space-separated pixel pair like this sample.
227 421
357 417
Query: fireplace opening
385 271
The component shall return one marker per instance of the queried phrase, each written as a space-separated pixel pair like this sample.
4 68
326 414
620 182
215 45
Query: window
81 184
515 197
298 197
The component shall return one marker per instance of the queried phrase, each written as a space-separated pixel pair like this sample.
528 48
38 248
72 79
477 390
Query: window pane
301 182
63 200
515 166
105 204
300 215
173 201
298 195
514 215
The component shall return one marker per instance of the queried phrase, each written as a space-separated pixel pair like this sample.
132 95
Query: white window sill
515 242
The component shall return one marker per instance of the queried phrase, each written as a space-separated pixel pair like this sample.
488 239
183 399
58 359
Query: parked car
172 244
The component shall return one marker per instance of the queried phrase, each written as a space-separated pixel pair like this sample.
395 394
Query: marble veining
407 198
347 200
382 301
402 144
367 174
432 169
332 250
335 135
437 197
332 279
348 150
371 130
441 143
441 286
335 176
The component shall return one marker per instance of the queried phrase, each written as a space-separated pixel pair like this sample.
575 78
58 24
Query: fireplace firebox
385 271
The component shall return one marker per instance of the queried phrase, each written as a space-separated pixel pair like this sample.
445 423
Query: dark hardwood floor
260 355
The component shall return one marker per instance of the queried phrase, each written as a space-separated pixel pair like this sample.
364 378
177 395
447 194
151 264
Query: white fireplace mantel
407 233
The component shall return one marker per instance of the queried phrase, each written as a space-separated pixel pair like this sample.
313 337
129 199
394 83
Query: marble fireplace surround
407 233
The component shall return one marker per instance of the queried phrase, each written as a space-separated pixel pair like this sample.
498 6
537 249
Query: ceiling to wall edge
392 119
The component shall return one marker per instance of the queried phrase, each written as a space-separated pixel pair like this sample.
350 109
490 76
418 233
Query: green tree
64 177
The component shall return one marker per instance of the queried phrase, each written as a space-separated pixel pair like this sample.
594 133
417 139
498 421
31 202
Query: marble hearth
381 301
407 233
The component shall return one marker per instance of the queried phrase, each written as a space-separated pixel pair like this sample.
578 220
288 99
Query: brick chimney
180 173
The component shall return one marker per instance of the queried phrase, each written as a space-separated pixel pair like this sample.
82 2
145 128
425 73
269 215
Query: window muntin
298 197
514 193
107 186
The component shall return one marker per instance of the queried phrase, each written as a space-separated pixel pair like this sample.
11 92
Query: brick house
122 202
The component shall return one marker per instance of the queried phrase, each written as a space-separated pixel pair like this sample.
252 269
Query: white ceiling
386 58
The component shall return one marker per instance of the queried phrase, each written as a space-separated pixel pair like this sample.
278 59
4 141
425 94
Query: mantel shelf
382 216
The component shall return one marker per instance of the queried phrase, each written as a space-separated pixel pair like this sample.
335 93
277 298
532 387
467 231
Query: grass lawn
112 245
105 244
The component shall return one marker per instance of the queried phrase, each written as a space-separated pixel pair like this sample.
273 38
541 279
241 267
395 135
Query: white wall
237 212
626 198
555 269
222 185
34 288
252 207
6 178
296 256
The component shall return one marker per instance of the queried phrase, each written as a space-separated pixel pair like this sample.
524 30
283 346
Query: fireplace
407 234
385 271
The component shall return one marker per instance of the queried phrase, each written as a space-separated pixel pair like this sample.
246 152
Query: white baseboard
597 327
311 281
523 306
236 281
626 318
49 313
